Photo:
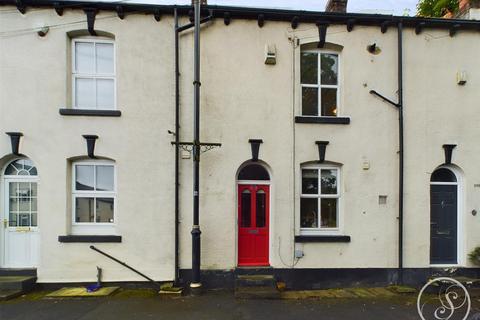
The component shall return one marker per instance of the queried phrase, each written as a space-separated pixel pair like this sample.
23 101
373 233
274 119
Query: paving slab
80 292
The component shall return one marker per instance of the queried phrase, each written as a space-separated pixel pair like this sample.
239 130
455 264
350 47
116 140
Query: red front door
253 219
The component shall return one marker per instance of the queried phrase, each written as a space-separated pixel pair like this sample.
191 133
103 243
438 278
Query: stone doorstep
24 283
257 293
255 281
8 294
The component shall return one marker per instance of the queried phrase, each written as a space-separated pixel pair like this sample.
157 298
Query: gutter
267 14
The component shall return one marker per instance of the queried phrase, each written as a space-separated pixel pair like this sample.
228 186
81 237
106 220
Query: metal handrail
157 286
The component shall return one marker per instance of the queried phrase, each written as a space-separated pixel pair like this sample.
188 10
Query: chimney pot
339 6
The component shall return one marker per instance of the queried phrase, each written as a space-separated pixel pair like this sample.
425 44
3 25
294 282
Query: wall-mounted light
43 31
461 78
270 54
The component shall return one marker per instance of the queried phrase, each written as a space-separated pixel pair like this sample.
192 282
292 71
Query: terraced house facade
309 173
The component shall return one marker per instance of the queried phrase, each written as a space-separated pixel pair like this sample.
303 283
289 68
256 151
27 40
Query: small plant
475 256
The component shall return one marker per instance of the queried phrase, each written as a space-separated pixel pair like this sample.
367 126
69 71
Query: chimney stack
202 2
468 9
338 6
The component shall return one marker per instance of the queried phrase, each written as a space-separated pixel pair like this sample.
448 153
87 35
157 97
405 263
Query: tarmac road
211 306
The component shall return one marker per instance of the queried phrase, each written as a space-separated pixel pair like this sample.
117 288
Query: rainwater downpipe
177 141
401 151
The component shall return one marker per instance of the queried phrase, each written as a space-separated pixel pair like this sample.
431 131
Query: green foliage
436 8
475 256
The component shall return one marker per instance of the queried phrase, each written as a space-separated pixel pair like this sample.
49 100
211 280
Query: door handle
5 223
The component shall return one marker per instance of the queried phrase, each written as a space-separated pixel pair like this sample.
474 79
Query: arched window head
21 167
443 175
253 171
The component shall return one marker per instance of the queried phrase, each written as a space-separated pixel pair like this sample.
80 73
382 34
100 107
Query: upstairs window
93 74
93 193
319 82
319 201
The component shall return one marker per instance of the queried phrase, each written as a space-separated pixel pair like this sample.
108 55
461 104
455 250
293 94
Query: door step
18 272
13 286
256 287
10 294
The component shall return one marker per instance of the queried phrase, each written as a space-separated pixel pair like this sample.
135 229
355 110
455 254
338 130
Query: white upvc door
20 223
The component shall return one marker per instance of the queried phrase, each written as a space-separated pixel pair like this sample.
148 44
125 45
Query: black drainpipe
177 140
401 151
196 284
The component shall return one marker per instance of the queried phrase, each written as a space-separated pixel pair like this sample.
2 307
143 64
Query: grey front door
443 224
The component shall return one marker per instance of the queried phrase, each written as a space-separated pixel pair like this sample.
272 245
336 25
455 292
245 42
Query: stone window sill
89 238
322 238
322 120
90 113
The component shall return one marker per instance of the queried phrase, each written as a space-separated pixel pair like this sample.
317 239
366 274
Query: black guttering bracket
292 16
89 238
323 238
89 113
191 25
324 120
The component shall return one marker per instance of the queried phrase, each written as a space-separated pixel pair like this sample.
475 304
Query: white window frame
319 84
96 227
319 230
107 76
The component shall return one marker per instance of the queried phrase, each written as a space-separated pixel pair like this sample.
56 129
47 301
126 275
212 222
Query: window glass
329 181
329 102
319 91
253 172
443 175
23 219
104 57
105 93
22 204
105 177
309 181
94 75
310 101
246 209
85 93
96 201
329 213
309 68
23 167
329 67
84 211
104 212
261 209
309 212
319 208
84 57
84 177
